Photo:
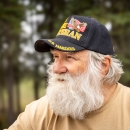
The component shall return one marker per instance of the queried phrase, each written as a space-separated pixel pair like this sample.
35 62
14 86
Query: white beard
75 95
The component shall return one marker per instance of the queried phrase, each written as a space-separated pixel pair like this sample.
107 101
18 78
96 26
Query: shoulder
38 103
39 109
124 89
125 93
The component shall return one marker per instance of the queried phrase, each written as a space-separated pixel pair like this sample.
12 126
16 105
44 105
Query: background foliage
22 22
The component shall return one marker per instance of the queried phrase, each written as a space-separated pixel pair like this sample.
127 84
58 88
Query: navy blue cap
79 33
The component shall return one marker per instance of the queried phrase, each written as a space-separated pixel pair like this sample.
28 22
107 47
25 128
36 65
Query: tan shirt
114 115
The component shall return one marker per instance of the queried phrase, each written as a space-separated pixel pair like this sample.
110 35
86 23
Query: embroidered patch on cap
73 29
77 25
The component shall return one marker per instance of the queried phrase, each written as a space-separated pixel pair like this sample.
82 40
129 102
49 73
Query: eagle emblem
74 24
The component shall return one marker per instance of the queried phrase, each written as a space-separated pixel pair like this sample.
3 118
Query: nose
59 68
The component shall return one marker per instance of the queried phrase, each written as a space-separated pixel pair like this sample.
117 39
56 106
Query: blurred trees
44 18
11 15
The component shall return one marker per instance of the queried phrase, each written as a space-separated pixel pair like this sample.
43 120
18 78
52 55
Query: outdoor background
22 22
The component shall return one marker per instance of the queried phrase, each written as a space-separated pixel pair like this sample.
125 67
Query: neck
109 92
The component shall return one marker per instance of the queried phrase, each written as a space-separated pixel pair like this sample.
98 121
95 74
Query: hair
76 95
115 71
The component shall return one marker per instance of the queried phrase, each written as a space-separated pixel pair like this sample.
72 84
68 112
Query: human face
70 62
74 95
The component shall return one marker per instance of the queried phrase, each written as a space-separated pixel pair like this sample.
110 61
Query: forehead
83 52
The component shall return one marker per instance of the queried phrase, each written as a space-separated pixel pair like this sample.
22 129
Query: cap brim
44 45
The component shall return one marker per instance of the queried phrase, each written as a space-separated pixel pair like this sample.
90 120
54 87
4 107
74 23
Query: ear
106 65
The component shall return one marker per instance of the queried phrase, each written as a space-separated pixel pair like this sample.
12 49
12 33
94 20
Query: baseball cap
79 33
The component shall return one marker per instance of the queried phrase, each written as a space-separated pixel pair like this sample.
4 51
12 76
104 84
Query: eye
70 57
55 57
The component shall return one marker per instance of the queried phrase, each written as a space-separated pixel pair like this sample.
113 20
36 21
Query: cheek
83 68
77 68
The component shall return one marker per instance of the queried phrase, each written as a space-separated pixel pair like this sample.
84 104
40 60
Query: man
83 92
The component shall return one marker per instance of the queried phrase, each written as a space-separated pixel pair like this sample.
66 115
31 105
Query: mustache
65 76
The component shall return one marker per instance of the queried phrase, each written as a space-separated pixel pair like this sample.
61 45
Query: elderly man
83 92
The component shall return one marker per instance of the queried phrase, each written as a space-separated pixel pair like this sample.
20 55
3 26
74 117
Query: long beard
74 95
